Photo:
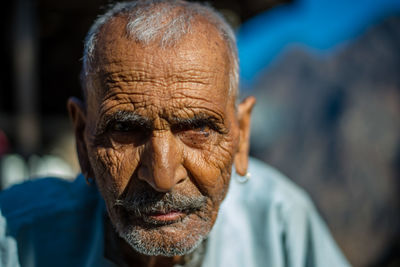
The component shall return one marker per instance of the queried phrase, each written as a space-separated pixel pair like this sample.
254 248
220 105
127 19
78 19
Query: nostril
180 174
143 173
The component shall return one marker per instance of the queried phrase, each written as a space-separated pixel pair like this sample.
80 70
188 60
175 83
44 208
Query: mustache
151 202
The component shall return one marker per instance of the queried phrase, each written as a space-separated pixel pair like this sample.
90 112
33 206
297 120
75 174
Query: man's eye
122 127
195 136
204 130
201 130
128 133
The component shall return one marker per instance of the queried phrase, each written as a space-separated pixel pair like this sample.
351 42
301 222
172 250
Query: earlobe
77 113
244 116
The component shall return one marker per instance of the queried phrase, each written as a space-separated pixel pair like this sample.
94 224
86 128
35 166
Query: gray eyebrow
124 116
198 120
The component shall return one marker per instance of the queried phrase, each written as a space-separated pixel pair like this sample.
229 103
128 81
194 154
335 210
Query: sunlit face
160 136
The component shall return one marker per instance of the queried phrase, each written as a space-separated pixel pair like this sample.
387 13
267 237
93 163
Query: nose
161 163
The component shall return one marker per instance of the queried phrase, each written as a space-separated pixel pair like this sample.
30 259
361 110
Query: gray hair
169 23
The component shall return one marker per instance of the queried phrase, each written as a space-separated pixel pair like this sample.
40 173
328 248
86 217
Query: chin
170 239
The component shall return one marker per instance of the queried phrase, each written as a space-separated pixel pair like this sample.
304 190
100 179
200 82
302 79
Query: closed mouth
163 218
151 212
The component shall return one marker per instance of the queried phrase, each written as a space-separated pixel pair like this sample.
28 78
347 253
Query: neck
117 250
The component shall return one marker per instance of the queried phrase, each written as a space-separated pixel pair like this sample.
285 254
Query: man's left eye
195 136
204 130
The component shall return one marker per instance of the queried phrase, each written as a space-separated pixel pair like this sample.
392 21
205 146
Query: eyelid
208 125
213 124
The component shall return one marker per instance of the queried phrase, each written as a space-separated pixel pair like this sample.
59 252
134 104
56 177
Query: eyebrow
197 121
126 117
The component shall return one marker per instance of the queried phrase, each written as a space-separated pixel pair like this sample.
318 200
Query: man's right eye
128 133
123 127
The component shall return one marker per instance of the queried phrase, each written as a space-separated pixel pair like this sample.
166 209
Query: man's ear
242 155
77 113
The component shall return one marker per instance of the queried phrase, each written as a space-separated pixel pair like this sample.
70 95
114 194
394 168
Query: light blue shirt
267 221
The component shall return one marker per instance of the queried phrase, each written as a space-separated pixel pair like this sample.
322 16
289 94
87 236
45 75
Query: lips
153 208
163 218
166 217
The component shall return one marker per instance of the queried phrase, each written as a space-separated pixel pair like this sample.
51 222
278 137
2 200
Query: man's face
160 135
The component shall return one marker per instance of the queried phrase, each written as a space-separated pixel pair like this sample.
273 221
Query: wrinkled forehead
202 50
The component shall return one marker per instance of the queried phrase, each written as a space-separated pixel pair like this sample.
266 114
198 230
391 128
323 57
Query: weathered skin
165 87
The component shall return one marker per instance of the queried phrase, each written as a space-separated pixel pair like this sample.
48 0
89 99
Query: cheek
114 166
211 168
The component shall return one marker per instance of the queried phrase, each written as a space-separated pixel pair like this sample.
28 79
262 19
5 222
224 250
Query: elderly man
157 135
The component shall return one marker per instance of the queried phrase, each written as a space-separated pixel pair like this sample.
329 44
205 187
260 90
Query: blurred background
326 75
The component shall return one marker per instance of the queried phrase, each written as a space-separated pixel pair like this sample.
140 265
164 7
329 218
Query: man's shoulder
270 187
43 197
268 221
61 220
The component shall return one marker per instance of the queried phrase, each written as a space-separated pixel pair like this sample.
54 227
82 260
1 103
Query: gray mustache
147 203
